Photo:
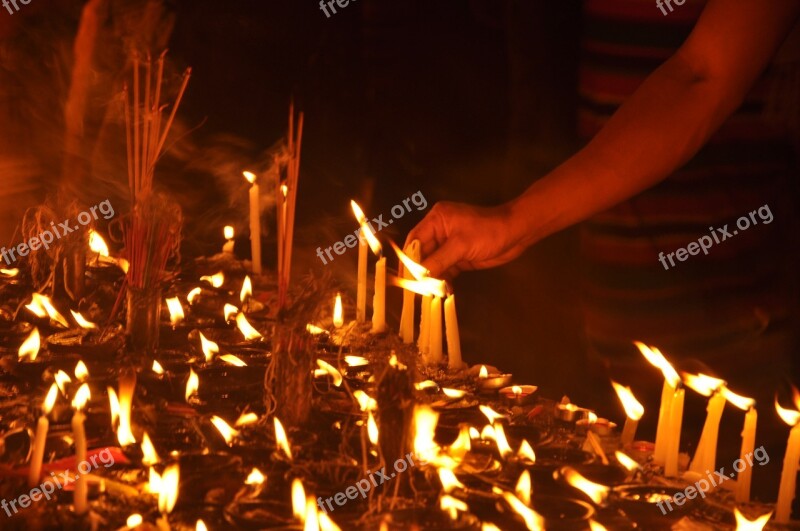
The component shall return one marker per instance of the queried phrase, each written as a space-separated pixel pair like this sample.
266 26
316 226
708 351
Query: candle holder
96 343
570 413
519 395
143 320
494 382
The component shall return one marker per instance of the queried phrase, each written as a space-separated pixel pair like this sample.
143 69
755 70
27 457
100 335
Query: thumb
443 258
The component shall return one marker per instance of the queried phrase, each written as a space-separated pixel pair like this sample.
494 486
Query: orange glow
338 311
365 402
425 420
332 371
417 271
127 386
427 384
230 359
134 520
245 419
449 480
633 409
208 347
81 397
200 526
502 443
789 416
97 244
229 311
113 403
247 290
281 440
366 231
50 399
192 295
224 429
452 505
453 393
9 272
627 462
255 477
227 232
524 488
372 429
356 361
154 483
598 493
246 328
526 452
149 455
216 280
702 384
533 520
426 286
326 524
314 330
168 493
82 322
484 372
657 360
41 306
738 401
298 500
743 524
491 414
192 384
596 526
157 368
31 346
250 176
175 308
81 372
311 518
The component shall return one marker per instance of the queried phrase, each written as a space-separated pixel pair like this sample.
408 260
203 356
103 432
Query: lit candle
361 294
80 497
409 297
745 478
451 329
379 299
228 233
35 471
338 311
674 434
706 455
423 342
671 381
791 460
633 412
435 331
255 222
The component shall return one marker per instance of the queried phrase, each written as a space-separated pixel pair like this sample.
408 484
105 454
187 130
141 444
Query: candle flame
326 524
626 461
425 420
298 500
192 295
81 397
598 493
208 347
311 518
427 286
81 372
200 526
338 311
246 328
453 393
417 270
657 360
427 384
247 289
517 390
30 347
192 384
744 524
524 488
250 176
366 229
149 454
284 190
703 384
245 419
633 408
484 372
452 505
82 322
225 429
168 492
175 308
157 368
796 397
594 525
356 361
50 399
134 520
97 244
365 402
127 385
526 451
9 272
62 379
255 478
281 440
216 280
331 370
227 232
491 414
230 359
41 307
449 480
738 401
533 520
113 402
154 483
314 330
789 416
229 311
462 444
372 429
502 443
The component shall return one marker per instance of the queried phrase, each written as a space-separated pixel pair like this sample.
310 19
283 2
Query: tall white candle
423 342
664 414
454 360
409 297
80 497
706 455
42 426
435 341
361 294
379 299
255 222
748 446
791 461
674 434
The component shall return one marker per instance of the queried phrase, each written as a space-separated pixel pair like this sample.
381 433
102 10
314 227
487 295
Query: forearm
657 130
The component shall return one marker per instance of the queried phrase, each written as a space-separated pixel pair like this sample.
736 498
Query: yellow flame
200 526
255 477
331 370
524 488
394 362
533 520
703 384
175 308
366 230
453 393
462 444
168 493
134 520
417 270
245 419
62 379
598 493
50 399
452 505
326 524
113 402
738 401
192 384
626 461
594 525
97 244
31 346
490 413
209 348
449 480
298 500
365 402
247 289
246 328
216 280
82 321
227 232
149 454
250 176
372 429
157 368
281 439
311 519
127 386
338 311
224 429
314 330
502 443
743 524
526 451
484 372
789 416
229 311
425 420
427 384
356 361
796 396
9 272
657 360
488 526
154 483
427 286
230 359
41 306
192 295
81 397
633 408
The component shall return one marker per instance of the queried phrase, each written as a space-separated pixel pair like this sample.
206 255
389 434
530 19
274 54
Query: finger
443 258
425 232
